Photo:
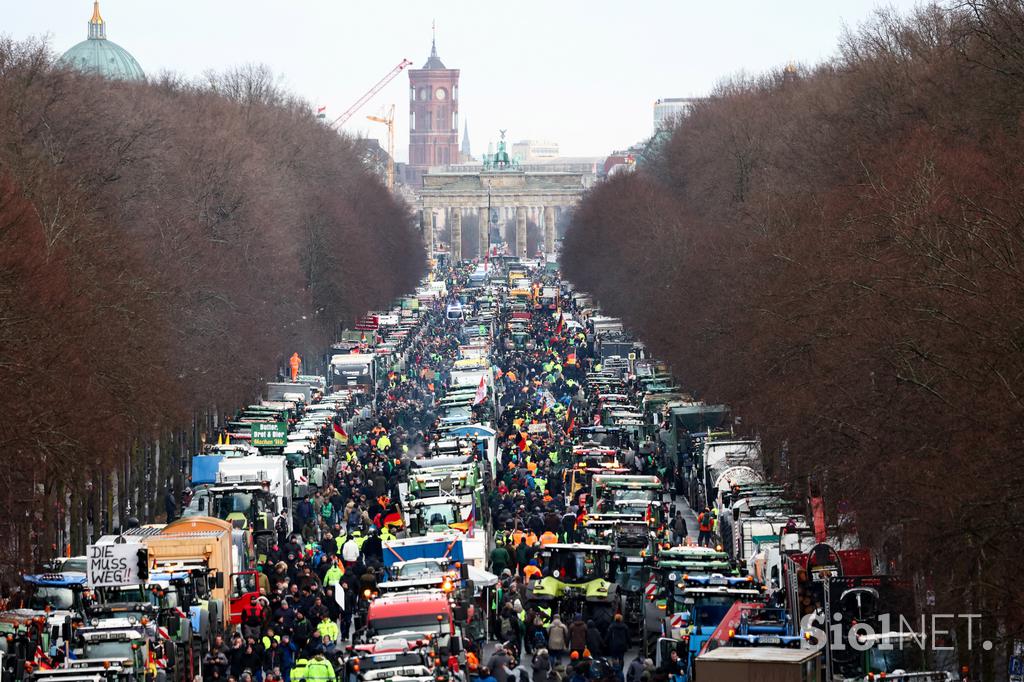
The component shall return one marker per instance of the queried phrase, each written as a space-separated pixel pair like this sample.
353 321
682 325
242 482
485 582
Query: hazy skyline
582 74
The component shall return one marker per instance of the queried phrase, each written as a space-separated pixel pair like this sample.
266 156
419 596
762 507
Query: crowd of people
312 581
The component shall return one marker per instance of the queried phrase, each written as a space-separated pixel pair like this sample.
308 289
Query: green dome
99 55
104 57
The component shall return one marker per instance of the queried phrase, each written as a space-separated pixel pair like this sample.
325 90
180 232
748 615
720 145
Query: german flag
570 419
561 323
392 516
339 433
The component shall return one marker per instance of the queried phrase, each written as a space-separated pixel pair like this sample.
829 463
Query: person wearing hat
500 559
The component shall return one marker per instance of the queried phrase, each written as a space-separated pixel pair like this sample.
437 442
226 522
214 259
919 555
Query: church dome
98 55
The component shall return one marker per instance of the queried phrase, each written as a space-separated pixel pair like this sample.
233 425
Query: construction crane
369 95
389 121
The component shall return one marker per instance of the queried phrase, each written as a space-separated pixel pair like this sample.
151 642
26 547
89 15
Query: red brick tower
433 115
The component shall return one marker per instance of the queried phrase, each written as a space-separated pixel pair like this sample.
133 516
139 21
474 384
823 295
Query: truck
277 391
254 493
211 546
416 616
389 659
353 370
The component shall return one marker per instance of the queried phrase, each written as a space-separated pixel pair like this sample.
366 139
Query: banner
113 565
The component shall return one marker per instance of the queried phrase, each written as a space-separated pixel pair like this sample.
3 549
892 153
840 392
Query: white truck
250 492
353 370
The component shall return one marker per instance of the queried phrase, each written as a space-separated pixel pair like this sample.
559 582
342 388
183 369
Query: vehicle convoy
494 424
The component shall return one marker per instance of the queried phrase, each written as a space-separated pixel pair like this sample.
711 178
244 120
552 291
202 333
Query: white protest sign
111 565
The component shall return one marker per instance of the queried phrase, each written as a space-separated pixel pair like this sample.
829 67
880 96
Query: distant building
465 153
433 116
100 56
532 150
671 109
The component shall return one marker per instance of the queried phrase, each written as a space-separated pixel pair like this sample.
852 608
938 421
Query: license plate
769 639
717 581
384 658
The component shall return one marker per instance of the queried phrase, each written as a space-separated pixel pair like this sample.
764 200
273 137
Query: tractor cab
576 579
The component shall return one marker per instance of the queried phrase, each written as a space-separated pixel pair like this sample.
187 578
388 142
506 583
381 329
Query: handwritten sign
112 565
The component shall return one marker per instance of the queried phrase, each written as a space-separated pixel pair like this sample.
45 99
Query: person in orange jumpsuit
295 362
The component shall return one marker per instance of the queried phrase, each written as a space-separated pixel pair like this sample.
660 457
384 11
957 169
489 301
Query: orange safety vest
517 537
548 538
530 571
530 539
707 522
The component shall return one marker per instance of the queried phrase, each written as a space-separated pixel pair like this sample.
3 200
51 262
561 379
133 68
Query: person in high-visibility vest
548 538
328 628
531 570
270 637
298 672
334 574
319 670
294 363
706 525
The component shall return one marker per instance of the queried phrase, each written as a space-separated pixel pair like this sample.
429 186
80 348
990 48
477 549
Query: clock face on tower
440 93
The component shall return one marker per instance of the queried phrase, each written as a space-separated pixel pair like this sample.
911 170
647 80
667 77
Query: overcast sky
582 73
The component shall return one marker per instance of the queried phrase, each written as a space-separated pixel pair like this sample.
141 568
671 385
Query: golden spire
97 27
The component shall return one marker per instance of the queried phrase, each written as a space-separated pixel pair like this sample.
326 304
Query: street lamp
490 218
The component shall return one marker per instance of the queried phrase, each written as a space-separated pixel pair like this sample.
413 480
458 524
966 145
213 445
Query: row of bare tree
164 246
838 252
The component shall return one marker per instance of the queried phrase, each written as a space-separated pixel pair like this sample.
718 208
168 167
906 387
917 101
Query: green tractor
575 581
671 566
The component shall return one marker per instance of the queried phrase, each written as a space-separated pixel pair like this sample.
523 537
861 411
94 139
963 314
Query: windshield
121 595
54 597
579 566
420 569
709 611
111 651
630 577
230 503
439 514
384 661
901 656
634 494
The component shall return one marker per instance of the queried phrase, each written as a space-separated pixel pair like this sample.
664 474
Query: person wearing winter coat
595 642
541 666
617 639
578 636
498 665
558 639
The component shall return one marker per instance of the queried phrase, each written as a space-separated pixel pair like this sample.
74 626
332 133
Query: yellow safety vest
320 670
299 671
327 627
